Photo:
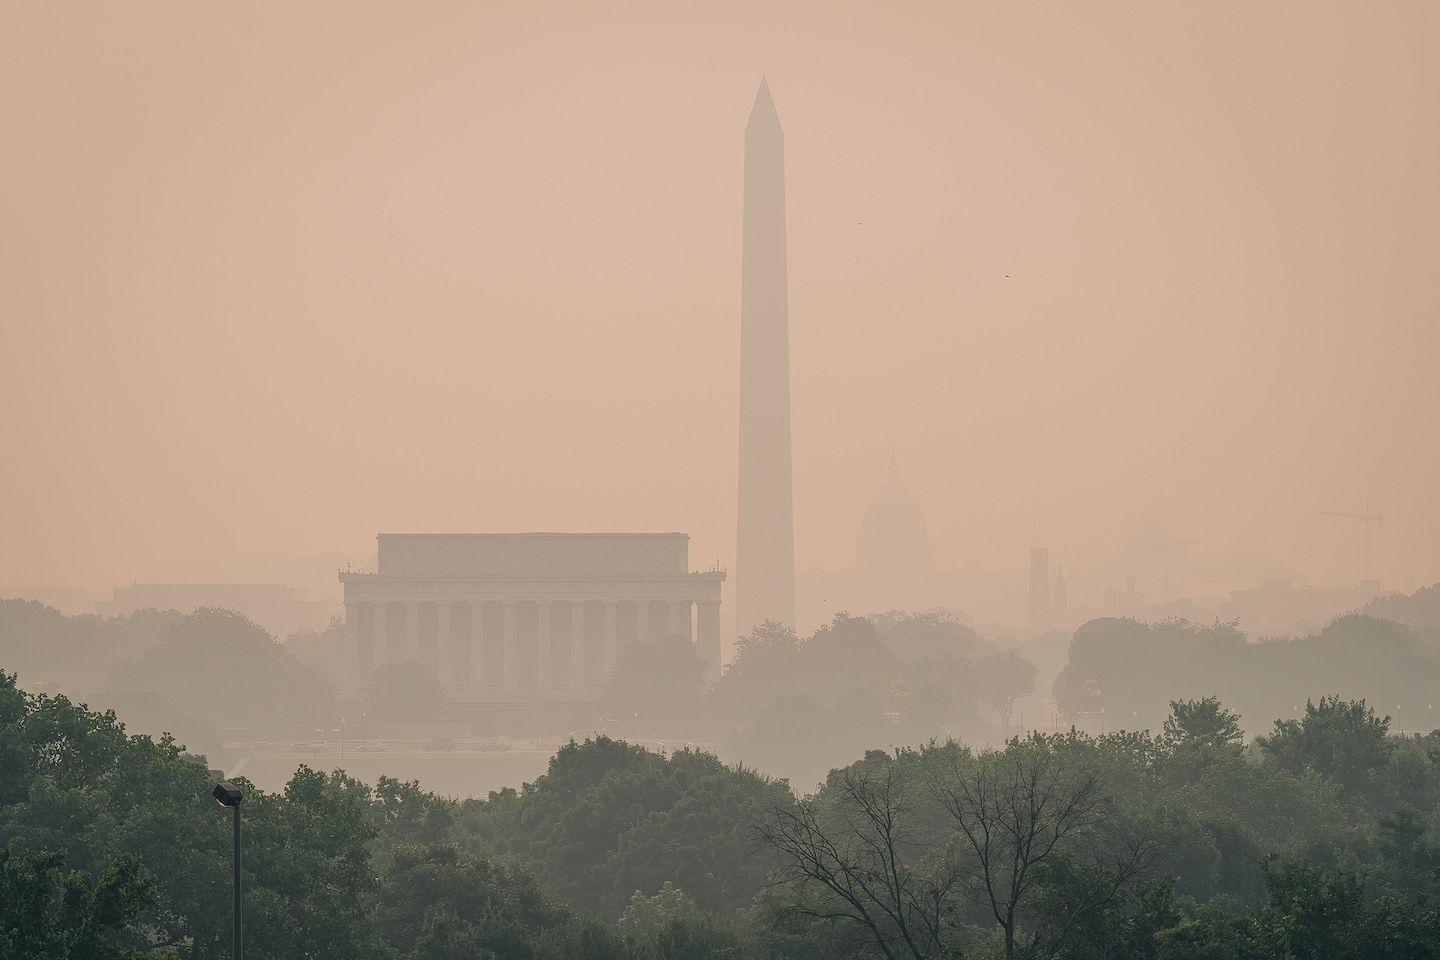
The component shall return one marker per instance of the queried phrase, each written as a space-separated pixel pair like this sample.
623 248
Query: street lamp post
229 795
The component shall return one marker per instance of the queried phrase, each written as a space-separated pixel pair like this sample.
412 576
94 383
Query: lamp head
227 794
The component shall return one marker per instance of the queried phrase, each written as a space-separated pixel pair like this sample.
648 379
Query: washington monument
765 547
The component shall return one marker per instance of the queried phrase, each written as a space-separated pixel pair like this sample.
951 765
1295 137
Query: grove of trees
1272 815
1131 670
798 706
1317 840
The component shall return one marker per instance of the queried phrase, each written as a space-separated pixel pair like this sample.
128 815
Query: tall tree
1203 723
1017 811
851 861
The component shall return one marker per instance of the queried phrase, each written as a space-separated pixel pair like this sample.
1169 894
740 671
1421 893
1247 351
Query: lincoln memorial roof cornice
352 576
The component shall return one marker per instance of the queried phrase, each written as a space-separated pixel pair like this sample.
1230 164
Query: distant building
280 609
892 553
528 616
1038 608
1059 599
1277 606
1157 557
1127 602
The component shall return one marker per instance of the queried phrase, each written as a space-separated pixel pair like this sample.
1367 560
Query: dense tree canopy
1319 838
216 663
1130 670
798 707
187 674
42 645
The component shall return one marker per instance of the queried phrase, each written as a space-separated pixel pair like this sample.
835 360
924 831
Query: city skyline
232 383
632 481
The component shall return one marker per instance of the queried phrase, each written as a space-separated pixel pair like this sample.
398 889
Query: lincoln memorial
528 615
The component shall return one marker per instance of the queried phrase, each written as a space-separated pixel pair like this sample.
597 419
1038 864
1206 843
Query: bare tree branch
854 852
1014 811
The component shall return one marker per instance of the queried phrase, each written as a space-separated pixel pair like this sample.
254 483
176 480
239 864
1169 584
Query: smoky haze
655 481
277 279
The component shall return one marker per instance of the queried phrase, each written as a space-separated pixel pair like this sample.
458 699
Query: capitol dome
893 545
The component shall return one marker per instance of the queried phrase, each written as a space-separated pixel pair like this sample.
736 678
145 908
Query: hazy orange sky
275 276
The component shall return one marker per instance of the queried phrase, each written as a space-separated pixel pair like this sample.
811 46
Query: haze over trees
183 674
1228 832
1320 842
1129 670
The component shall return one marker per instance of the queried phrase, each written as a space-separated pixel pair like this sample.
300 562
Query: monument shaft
765 548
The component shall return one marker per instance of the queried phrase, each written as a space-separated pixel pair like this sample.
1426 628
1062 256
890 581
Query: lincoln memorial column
412 632
463 617
544 640
426 616
444 647
609 635
679 620
352 635
394 631
491 633
512 648
708 628
578 642
364 640
642 621
471 646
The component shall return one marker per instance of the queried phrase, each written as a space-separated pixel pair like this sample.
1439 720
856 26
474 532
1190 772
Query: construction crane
1366 552
1364 517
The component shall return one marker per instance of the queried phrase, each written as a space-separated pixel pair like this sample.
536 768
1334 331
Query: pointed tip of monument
764 103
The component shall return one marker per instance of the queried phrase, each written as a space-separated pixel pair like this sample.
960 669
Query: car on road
440 743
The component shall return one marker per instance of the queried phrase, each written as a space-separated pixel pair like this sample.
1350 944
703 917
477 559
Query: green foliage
915 636
1006 675
169 673
656 683
79 789
321 649
1202 724
829 732
439 898
856 683
217 663
1138 668
41 644
48 913
645 917
609 818
1315 914
307 853
1342 740
763 668
688 938
1323 842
